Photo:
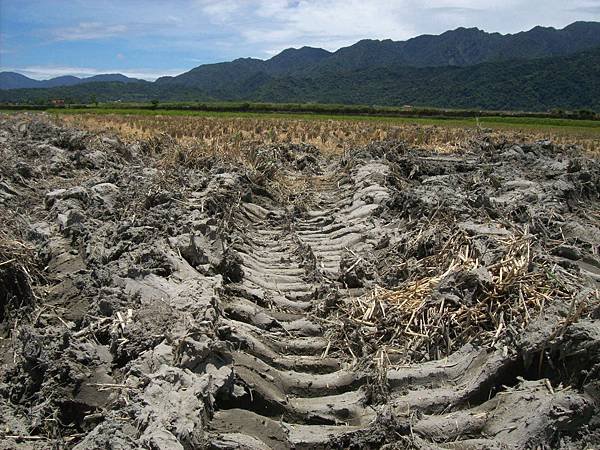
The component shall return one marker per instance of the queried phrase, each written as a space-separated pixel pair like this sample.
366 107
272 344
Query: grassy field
431 118
332 133
523 122
182 123
316 108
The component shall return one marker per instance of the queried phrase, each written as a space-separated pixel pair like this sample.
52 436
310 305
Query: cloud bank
177 35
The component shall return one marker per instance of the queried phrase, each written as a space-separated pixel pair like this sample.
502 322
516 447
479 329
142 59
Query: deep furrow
283 379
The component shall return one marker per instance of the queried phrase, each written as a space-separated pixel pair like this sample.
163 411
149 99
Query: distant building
58 102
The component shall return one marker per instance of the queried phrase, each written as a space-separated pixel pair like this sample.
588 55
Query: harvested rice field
188 282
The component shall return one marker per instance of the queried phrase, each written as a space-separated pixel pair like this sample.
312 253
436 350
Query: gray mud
199 307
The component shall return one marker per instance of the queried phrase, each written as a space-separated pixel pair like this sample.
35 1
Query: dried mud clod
157 293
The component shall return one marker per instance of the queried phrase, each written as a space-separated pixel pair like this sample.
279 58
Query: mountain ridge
466 67
15 80
570 82
459 47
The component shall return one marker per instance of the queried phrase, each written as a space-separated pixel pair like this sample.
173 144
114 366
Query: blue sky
146 39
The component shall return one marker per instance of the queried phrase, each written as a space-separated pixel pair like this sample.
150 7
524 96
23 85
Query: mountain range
537 69
13 80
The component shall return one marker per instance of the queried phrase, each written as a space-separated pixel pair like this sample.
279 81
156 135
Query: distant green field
570 126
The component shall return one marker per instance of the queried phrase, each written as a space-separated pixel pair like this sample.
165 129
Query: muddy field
385 296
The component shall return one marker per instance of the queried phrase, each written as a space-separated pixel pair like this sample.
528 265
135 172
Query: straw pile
430 316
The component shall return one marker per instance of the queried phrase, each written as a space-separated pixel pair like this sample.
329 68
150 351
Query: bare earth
386 297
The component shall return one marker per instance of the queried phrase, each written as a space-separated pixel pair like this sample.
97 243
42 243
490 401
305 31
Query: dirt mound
388 298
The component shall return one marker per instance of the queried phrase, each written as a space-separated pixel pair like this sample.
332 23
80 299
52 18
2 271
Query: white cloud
89 30
190 32
270 26
220 11
273 25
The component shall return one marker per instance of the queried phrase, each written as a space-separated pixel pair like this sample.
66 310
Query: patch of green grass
537 121
586 129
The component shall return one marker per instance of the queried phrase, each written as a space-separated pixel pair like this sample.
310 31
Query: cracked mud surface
385 298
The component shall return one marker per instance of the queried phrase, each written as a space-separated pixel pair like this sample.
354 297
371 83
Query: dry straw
419 321
232 135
